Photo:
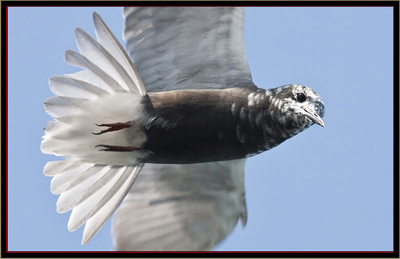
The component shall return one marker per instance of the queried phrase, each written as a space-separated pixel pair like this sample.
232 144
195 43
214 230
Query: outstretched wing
181 48
181 207
184 207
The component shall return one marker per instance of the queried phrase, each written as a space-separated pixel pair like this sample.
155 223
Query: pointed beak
314 117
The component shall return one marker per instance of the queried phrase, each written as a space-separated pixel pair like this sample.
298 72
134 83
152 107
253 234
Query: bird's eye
301 97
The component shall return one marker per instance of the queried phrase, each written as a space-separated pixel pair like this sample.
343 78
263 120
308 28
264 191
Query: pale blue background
328 189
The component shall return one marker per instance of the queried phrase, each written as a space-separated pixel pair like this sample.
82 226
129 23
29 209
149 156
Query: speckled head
296 107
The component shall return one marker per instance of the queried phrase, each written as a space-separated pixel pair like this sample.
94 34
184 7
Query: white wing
181 207
181 48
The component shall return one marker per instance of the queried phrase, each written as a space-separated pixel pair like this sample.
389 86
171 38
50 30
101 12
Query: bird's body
195 120
197 126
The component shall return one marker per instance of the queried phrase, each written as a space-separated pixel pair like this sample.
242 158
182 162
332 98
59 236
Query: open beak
314 117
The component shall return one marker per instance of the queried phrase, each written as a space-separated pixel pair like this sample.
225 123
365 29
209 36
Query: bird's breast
193 126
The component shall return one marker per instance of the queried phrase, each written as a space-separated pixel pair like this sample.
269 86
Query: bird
165 130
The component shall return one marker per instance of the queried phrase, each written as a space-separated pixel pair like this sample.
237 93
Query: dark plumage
194 126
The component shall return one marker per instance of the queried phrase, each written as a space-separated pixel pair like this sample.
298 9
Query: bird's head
296 107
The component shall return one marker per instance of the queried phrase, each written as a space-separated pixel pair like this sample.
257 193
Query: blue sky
327 189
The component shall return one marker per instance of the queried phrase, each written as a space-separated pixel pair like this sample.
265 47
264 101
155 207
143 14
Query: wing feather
187 47
181 207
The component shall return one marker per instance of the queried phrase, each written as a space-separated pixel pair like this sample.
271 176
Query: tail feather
77 187
98 54
88 202
88 86
108 90
108 40
59 108
94 69
109 204
93 183
61 182
55 167
69 90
